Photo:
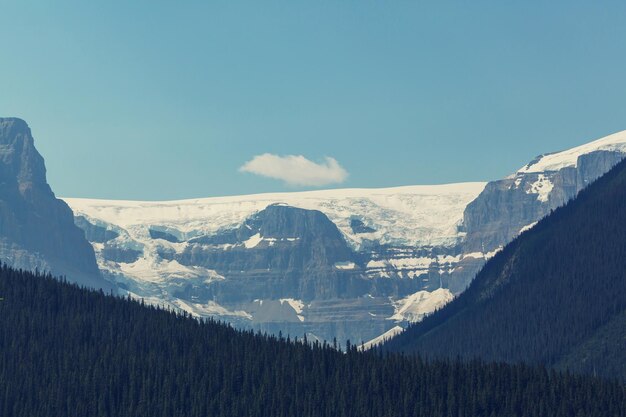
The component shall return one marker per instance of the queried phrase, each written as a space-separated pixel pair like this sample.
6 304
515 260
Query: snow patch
382 338
414 307
253 241
376 264
542 187
209 309
153 270
345 265
474 255
297 305
448 259
527 227
195 309
411 263
491 254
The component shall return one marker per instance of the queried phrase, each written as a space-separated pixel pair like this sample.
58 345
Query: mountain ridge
405 243
535 301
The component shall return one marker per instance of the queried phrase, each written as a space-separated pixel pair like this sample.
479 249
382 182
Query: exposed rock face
95 233
37 230
280 252
555 296
507 206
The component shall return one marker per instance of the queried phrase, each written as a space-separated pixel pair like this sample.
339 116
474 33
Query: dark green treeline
66 351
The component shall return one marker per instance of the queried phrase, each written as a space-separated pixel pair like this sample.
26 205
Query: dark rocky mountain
280 252
556 295
37 230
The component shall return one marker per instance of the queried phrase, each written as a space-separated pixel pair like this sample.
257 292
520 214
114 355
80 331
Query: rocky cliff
507 206
37 230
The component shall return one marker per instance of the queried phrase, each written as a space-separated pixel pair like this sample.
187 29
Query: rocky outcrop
279 252
507 206
93 232
37 230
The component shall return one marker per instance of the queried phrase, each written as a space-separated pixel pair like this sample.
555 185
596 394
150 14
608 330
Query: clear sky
165 100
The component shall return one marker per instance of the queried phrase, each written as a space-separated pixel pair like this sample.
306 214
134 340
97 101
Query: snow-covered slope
414 307
412 215
394 331
569 158
159 250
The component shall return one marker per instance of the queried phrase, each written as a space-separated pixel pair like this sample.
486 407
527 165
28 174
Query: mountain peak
569 158
19 158
37 230
13 122
556 295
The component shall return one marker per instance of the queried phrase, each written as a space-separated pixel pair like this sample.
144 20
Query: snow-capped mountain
337 255
509 206
351 264
556 161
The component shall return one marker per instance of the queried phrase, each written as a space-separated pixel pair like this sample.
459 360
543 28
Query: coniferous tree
68 351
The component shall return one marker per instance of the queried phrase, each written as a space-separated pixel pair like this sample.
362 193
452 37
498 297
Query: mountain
507 206
37 230
556 295
346 264
320 262
69 351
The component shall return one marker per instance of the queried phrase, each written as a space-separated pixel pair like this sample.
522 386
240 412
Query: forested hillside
67 351
554 296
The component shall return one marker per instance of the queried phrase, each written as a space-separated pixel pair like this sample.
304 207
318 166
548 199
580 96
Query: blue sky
165 100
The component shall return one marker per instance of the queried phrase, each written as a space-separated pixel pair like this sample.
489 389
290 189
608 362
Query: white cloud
296 169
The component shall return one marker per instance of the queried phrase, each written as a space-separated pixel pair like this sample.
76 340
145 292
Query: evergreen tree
68 351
